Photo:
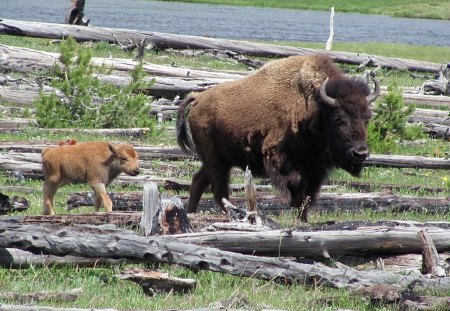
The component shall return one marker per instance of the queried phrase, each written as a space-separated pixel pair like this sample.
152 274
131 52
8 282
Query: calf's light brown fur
94 163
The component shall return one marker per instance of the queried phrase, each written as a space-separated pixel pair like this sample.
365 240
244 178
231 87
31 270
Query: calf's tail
184 138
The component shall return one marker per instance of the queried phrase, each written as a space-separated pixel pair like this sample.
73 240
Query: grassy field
439 9
102 290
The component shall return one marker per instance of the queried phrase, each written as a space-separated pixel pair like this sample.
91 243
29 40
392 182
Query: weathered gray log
168 81
326 202
175 153
98 241
364 186
67 296
437 130
163 40
429 100
398 240
19 59
407 161
20 259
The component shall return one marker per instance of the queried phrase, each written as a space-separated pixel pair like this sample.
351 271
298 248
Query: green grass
102 290
439 9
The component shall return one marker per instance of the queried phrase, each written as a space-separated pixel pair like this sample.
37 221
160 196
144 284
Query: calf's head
125 159
345 113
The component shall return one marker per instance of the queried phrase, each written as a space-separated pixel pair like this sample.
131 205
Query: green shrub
389 123
88 103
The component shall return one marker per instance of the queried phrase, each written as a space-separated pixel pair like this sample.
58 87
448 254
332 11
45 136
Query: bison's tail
184 138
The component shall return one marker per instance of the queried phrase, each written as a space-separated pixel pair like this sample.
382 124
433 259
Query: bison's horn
376 92
323 94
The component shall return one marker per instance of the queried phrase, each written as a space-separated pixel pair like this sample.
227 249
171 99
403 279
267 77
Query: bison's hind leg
200 181
101 197
220 178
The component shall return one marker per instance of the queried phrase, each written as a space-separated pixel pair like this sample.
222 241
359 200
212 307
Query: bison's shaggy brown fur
95 163
280 122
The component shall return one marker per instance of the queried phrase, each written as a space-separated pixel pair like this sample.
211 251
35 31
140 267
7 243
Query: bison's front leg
303 193
101 197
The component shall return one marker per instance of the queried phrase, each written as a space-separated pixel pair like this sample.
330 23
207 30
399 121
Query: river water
237 22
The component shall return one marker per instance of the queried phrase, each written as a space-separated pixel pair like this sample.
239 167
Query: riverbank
396 8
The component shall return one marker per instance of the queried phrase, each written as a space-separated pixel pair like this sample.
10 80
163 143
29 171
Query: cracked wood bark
163 40
98 241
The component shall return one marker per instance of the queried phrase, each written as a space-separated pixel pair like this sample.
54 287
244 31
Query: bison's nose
360 154
135 172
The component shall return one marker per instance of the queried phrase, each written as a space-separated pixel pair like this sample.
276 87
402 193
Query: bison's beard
354 168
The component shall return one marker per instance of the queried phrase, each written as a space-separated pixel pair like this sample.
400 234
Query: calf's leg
49 190
101 197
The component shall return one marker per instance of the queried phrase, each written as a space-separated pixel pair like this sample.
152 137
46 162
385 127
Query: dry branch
163 40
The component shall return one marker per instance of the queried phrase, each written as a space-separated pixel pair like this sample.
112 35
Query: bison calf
95 163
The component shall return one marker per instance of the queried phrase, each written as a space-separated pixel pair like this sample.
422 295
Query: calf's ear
112 149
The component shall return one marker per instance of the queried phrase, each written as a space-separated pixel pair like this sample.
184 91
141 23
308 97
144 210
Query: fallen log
174 41
97 241
58 297
175 153
317 244
326 202
20 259
19 59
165 81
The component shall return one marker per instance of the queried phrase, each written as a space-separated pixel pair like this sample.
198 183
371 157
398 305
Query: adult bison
96 163
293 120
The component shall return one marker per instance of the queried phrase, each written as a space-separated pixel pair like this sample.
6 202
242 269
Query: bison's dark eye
123 159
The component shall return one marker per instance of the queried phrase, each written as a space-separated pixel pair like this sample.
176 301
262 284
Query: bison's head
345 112
126 159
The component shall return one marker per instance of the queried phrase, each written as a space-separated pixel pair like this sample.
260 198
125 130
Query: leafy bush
88 103
389 123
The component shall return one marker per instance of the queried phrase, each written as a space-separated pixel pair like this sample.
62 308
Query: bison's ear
314 125
112 149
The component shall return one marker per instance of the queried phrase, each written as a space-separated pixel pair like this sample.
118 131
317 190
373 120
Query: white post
330 39
151 208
